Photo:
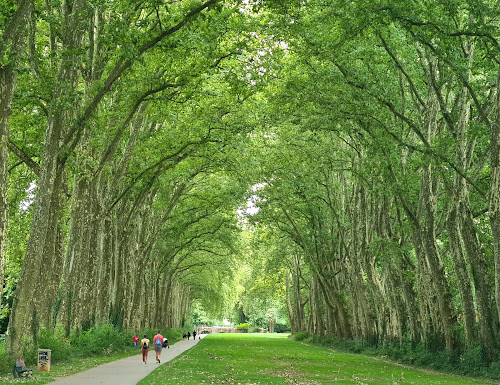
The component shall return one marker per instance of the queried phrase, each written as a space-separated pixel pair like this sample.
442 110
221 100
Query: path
127 371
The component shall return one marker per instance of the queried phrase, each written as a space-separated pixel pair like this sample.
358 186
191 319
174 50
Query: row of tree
131 130
120 121
383 171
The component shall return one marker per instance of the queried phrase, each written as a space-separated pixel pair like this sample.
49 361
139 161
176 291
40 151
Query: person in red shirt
158 344
136 340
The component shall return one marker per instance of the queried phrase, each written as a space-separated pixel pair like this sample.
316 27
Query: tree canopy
365 135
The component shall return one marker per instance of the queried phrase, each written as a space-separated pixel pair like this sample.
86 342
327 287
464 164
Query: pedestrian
194 334
136 341
158 342
165 343
188 335
184 336
144 348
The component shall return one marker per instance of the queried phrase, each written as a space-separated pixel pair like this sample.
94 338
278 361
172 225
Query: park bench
21 371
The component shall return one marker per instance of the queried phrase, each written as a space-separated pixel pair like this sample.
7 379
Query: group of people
188 335
159 342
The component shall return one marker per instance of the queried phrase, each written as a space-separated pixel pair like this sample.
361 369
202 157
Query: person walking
144 349
136 341
158 343
194 334
188 335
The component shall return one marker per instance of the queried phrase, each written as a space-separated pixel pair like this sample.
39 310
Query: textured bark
479 270
317 307
494 192
32 289
298 306
334 301
7 86
424 289
291 314
478 265
13 37
361 305
441 294
464 281
105 268
80 275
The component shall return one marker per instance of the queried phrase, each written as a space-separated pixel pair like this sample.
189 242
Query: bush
243 327
6 362
56 342
281 328
494 370
300 336
100 339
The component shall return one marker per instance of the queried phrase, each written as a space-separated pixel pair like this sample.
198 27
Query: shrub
494 371
281 328
300 336
6 362
99 339
56 342
243 327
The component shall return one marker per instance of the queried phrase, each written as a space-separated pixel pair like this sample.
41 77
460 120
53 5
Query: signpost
43 360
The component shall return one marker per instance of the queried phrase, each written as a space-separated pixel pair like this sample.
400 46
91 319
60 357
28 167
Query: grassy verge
98 345
66 368
250 359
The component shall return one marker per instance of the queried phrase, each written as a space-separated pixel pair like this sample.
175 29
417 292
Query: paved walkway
127 371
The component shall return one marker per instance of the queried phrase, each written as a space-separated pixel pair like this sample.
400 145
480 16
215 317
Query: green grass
67 368
248 359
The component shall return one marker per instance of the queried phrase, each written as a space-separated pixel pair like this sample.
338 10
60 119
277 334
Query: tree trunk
7 86
298 306
318 327
31 289
291 314
463 280
494 192
479 270
13 37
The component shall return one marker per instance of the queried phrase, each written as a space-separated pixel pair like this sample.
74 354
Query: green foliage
300 336
281 328
56 341
99 339
244 327
199 316
6 362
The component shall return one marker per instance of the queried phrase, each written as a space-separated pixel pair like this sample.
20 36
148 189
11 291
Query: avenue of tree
367 133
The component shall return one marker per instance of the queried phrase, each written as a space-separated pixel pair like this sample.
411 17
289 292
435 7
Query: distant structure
216 329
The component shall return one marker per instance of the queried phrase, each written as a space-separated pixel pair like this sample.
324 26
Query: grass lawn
249 359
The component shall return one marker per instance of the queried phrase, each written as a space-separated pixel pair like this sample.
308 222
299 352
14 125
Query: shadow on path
127 371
